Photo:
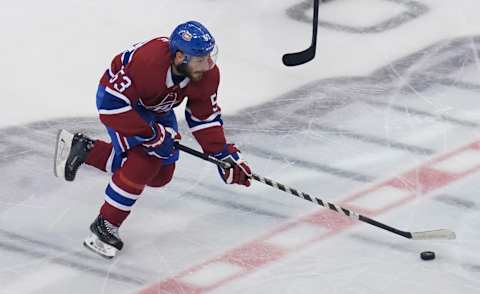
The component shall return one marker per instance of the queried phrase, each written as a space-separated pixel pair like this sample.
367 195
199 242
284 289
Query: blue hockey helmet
193 39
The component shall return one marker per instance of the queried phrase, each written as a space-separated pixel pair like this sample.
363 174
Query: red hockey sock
112 214
128 183
120 196
99 155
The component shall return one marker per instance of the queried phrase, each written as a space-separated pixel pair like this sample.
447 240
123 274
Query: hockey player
135 101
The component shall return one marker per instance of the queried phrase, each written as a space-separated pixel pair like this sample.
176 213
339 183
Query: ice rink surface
385 121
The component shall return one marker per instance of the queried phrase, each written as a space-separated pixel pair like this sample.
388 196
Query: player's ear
179 56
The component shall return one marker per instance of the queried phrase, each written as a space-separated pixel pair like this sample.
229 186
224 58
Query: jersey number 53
120 81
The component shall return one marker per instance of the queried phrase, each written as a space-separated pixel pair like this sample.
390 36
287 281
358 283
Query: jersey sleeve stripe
109 104
118 95
131 56
119 142
205 126
196 124
126 57
109 164
115 111
152 153
212 117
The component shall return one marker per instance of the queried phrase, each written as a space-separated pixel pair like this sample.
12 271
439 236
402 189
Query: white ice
370 106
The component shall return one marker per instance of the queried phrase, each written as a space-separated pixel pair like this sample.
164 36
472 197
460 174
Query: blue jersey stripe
126 57
108 101
195 123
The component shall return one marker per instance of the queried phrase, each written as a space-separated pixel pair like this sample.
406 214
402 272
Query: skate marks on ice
342 173
439 65
443 259
224 202
403 87
390 143
423 114
289 239
457 202
271 124
26 165
408 10
424 90
75 259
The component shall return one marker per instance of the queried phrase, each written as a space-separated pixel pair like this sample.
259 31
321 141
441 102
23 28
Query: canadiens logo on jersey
165 105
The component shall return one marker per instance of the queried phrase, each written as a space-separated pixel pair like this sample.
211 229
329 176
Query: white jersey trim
185 82
109 164
169 79
118 95
152 153
210 118
119 140
115 111
205 126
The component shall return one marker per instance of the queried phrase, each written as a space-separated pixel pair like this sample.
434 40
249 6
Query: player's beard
186 70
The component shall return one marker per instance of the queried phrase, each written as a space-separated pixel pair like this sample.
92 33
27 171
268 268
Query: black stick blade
298 58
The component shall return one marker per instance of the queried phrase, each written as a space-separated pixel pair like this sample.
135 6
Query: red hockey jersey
142 75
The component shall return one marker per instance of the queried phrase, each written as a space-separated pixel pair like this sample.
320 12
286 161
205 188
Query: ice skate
70 153
104 239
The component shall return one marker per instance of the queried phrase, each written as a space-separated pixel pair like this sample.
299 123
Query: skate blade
99 247
62 149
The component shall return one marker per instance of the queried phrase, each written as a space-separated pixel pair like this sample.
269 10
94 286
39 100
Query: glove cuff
228 150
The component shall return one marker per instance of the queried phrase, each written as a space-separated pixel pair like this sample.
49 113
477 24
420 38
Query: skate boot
70 153
104 239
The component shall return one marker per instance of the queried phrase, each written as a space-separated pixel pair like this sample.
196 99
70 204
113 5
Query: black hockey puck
427 255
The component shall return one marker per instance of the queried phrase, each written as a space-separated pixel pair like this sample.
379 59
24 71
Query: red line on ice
249 257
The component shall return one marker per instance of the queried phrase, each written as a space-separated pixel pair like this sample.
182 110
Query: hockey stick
293 59
423 235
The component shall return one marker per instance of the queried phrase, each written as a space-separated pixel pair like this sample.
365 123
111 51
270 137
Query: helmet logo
187 36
